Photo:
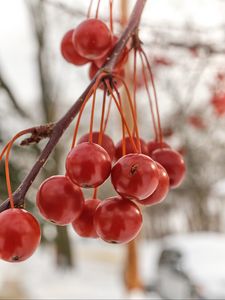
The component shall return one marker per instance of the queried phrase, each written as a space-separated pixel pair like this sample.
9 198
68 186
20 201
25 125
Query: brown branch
4 85
61 125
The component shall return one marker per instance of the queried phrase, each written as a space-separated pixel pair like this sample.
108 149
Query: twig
4 85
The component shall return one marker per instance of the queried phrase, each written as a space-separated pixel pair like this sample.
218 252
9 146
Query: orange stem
107 115
155 95
111 15
149 97
124 120
132 110
89 9
97 10
7 149
94 87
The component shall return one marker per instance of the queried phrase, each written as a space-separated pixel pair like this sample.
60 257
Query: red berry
218 102
153 145
92 39
88 165
161 191
59 200
68 51
129 147
174 164
20 235
123 57
84 225
107 142
117 220
135 176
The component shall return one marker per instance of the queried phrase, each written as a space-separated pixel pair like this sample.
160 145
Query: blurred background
180 252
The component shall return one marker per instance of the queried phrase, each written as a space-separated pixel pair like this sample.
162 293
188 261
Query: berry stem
149 97
155 95
82 109
123 127
92 117
97 10
122 116
95 193
132 111
89 9
101 131
111 14
107 114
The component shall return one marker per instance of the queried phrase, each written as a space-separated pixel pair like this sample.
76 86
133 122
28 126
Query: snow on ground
98 274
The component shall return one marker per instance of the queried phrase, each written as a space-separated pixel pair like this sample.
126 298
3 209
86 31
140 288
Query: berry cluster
136 177
141 173
92 42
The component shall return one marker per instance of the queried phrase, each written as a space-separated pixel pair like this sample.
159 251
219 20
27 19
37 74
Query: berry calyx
173 163
68 51
153 145
129 147
106 143
84 224
88 165
92 39
161 191
59 200
117 220
20 235
135 176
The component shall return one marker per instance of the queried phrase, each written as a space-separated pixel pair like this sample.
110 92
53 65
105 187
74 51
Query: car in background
191 266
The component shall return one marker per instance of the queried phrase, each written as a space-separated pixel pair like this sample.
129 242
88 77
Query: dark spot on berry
15 258
113 242
133 169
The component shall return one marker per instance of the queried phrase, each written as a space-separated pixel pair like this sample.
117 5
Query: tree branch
61 125
4 85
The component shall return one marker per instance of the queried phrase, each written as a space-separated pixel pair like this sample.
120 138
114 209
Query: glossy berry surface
129 147
173 163
122 60
84 225
161 191
106 143
59 200
88 165
68 51
20 235
117 220
92 39
154 145
135 176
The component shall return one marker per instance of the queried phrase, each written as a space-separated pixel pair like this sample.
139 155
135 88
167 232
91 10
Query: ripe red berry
68 51
92 39
117 220
20 235
174 164
59 200
123 57
129 147
88 165
107 142
161 191
84 225
135 176
153 145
